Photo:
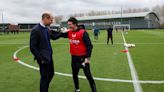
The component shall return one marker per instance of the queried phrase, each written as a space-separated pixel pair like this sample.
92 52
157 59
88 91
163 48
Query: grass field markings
13 43
114 43
93 43
150 43
137 86
83 77
124 51
28 58
160 34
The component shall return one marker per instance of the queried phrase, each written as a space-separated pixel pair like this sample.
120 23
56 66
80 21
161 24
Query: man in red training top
80 50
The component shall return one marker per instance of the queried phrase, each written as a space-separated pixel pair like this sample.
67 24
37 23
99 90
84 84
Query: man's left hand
86 61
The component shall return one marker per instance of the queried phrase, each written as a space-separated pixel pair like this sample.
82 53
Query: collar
41 23
78 29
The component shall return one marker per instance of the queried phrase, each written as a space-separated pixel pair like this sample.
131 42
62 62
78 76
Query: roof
113 16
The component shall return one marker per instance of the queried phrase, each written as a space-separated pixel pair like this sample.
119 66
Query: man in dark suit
41 49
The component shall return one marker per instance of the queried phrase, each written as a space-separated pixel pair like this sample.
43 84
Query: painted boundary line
93 43
137 86
83 77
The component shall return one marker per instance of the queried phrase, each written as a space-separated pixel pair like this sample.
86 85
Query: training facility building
23 27
144 20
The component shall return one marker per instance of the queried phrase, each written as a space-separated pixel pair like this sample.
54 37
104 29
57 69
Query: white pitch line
137 86
93 43
150 43
83 77
12 43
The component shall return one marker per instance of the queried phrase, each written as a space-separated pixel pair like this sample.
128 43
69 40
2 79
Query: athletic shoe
77 90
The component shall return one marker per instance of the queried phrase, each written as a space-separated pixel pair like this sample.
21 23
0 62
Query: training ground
115 68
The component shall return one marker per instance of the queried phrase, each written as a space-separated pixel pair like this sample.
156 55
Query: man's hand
86 61
64 30
42 62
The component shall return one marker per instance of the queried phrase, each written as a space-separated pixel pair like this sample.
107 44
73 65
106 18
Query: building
144 20
24 27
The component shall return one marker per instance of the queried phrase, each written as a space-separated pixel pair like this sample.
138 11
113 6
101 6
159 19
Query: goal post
124 27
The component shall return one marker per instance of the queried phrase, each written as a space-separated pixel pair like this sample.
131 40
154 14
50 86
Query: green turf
107 62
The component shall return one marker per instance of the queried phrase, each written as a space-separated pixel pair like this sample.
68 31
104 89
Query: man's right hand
64 30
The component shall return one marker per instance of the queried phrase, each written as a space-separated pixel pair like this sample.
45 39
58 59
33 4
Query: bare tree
162 11
138 10
130 10
146 10
58 19
162 16
157 10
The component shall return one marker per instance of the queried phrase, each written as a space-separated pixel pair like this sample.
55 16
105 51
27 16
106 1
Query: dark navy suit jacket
40 43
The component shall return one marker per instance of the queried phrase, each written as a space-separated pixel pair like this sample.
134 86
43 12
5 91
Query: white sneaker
77 90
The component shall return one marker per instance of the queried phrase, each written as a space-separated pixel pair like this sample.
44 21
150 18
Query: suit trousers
46 73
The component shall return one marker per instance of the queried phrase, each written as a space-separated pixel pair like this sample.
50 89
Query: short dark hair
46 15
82 26
73 20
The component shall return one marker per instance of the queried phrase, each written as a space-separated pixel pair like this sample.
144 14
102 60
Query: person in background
96 32
110 35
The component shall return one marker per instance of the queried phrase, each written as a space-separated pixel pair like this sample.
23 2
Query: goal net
123 27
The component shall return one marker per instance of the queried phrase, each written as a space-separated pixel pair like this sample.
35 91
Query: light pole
3 27
121 15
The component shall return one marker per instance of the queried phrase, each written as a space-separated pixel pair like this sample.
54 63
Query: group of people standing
80 49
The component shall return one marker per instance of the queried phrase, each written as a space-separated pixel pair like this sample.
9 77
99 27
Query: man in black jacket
41 49
109 35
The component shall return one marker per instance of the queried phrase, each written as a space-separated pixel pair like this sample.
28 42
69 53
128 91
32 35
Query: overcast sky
20 11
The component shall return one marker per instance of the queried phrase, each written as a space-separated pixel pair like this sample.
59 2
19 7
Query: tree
146 10
162 15
58 19
130 10
162 11
157 10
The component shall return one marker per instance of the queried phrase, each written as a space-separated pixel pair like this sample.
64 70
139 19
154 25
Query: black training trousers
111 37
76 65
